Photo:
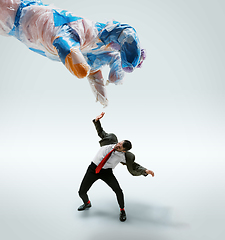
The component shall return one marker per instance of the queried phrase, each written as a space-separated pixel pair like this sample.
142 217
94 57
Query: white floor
39 197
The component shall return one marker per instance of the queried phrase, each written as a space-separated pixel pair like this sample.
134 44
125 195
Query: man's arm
134 168
101 133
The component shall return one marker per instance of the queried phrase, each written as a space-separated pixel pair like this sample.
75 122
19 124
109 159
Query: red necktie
102 163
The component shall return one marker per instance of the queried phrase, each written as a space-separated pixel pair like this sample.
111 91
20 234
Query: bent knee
81 193
118 190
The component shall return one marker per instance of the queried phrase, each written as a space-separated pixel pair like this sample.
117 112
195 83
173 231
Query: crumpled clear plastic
82 45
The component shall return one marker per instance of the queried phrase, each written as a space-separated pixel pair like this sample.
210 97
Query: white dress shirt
115 158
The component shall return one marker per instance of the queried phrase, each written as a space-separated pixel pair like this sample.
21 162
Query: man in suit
102 169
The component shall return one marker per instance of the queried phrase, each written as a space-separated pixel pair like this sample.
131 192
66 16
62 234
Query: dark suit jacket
110 138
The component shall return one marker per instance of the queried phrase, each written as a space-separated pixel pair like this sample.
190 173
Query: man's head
123 146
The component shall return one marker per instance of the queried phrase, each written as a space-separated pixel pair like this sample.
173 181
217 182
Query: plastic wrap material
82 45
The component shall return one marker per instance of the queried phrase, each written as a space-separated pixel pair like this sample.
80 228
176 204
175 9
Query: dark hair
127 145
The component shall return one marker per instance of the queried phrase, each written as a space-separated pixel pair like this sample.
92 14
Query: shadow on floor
137 213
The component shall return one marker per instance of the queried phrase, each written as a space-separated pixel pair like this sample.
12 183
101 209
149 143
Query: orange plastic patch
94 72
80 70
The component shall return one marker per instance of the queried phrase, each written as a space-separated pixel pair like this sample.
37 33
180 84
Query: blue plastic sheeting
97 60
125 36
38 51
67 38
111 34
24 3
63 17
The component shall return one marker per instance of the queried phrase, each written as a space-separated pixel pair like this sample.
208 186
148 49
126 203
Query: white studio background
172 110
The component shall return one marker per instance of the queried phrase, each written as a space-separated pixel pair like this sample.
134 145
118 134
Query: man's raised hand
99 116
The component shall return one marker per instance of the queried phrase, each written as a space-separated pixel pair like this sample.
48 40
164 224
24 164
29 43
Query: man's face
119 147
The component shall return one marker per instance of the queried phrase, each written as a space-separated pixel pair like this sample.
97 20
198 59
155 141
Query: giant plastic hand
81 45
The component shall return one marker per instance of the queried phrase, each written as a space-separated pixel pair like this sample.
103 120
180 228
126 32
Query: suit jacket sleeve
134 168
101 133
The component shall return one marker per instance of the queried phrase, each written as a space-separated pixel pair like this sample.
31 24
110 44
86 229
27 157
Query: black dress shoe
122 216
84 206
